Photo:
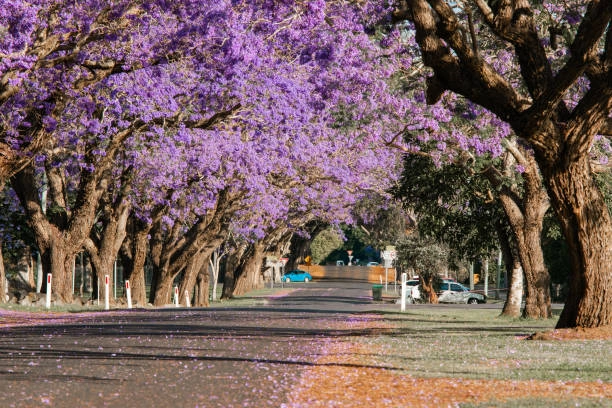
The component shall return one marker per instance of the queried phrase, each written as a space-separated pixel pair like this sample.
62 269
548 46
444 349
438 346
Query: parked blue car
296 275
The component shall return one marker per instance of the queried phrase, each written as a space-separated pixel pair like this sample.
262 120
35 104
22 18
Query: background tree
428 259
324 243
560 132
459 204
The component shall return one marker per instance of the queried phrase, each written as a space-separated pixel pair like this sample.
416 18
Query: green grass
532 402
53 308
478 344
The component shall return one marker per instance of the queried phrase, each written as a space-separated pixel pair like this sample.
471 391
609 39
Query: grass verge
459 358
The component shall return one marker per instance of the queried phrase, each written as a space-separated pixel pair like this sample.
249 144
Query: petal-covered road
295 349
249 357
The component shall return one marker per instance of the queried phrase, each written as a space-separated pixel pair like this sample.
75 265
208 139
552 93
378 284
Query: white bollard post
187 301
106 292
176 297
386 278
128 294
403 292
49 280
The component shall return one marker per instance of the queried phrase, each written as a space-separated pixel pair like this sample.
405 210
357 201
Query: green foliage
15 234
355 239
324 244
382 222
443 344
556 257
428 258
453 203
604 182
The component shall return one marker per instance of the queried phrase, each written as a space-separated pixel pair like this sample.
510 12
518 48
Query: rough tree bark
173 251
133 257
512 306
234 260
201 260
248 275
561 138
3 285
191 273
202 287
588 231
514 296
526 215
103 248
60 232
57 240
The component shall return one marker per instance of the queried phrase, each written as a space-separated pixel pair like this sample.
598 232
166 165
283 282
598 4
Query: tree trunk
27 264
485 264
525 215
60 235
104 251
172 251
201 261
134 256
428 289
192 271
39 273
529 247
249 275
561 138
57 260
202 285
512 307
163 288
587 227
215 266
3 284
232 269
300 246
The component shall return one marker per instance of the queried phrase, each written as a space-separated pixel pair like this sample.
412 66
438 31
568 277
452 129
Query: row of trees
156 131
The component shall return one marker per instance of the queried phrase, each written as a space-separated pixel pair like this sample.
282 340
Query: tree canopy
188 119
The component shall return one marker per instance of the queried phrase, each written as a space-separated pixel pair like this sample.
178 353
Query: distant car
453 292
372 264
296 275
450 292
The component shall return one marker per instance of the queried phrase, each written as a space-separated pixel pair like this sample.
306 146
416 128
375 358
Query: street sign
390 255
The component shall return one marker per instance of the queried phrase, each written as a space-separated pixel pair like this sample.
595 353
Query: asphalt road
215 357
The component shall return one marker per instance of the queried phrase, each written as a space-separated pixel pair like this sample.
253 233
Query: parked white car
450 292
413 292
453 292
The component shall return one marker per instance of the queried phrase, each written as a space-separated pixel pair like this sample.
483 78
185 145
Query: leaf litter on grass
347 375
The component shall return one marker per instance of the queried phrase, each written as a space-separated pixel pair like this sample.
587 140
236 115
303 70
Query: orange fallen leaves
341 379
579 333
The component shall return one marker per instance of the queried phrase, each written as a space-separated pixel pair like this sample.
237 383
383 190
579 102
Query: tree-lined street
214 357
260 354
